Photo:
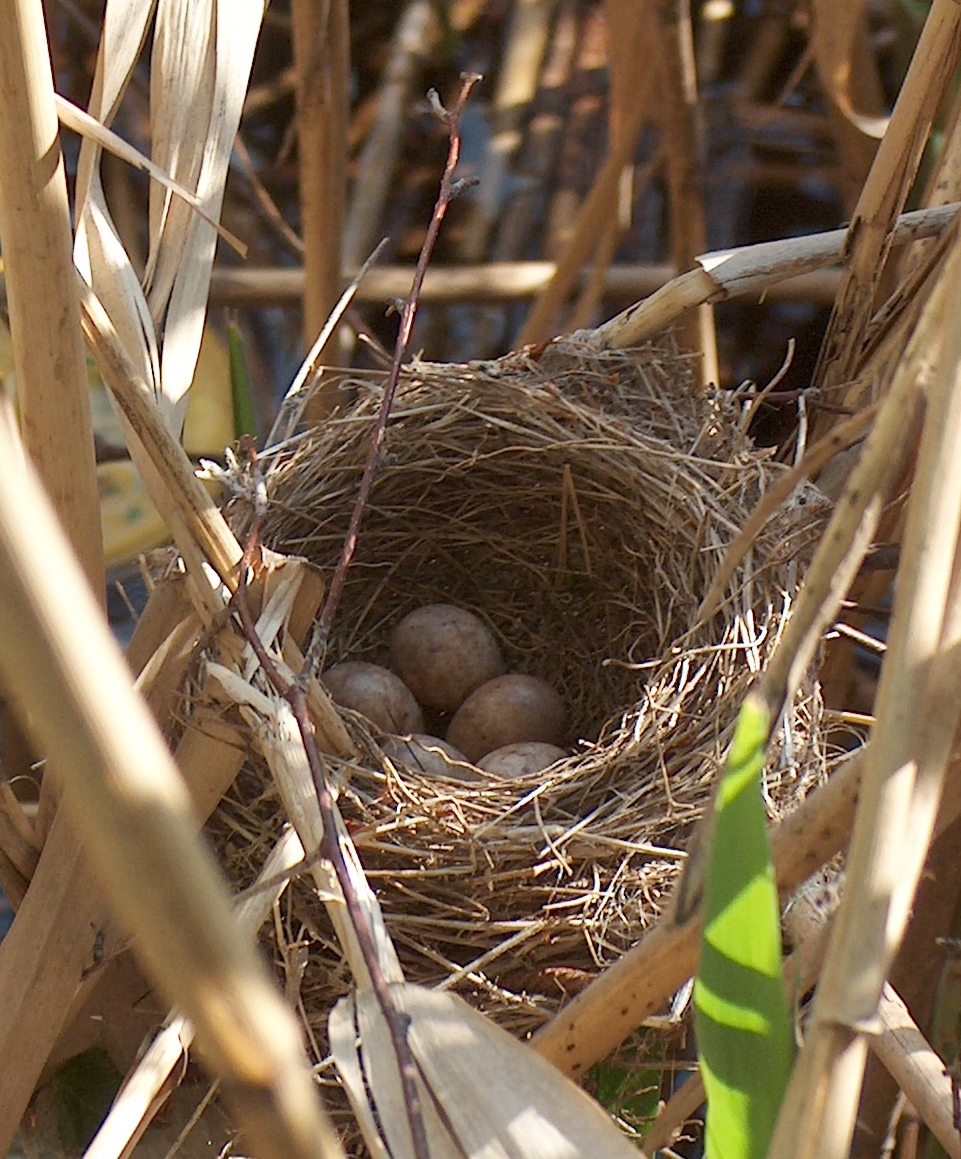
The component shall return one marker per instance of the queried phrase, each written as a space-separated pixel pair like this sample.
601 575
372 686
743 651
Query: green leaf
85 1087
744 1032
626 1085
245 418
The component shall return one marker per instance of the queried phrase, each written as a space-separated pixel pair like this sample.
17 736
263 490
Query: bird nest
580 504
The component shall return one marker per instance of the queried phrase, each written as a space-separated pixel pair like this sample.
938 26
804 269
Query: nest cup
580 504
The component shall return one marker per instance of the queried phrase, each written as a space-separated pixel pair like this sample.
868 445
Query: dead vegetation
582 495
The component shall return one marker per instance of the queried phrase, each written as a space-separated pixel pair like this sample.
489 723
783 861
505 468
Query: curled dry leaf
201 58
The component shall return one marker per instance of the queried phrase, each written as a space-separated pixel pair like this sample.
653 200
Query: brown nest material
580 504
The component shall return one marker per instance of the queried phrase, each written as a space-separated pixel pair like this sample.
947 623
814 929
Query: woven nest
580 505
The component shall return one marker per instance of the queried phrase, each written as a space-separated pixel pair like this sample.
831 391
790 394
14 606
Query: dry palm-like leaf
483 1092
201 59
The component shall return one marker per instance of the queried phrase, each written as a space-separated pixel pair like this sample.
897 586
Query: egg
506 710
430 755
379 694
443 653
517 760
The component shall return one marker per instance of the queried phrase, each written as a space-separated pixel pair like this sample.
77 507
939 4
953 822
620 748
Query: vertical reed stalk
37 245
321 32
680 132
595 213
917 710
884 193
131 806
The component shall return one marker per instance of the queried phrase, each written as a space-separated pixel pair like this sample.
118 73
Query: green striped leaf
744 1032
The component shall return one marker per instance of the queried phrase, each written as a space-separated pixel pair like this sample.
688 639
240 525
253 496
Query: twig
449 189
296 696
272 215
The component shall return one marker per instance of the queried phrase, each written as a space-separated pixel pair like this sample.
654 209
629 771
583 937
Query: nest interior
580 504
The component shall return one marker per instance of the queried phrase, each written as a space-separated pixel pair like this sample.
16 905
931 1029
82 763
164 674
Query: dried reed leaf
203 52
75 118
486 1094
836 28
201 63
194 519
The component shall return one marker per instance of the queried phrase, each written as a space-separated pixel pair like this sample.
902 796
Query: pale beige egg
517 760
430 755
443 653
379 694
506 710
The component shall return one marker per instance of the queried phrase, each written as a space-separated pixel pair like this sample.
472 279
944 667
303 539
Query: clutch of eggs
446 659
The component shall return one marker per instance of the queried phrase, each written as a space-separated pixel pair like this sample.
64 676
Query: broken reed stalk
496 281
128 799
888 184
37 243
750 269
917 710
332 851
321 40
449 189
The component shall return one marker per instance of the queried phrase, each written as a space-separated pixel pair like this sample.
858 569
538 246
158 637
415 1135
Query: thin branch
449 189
331 850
